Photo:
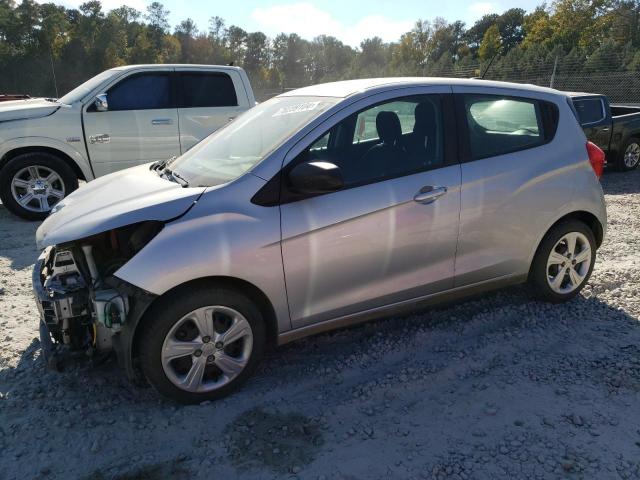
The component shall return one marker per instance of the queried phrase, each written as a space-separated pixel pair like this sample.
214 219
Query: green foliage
491 43
579 36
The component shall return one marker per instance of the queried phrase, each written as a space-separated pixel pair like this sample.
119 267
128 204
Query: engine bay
81 307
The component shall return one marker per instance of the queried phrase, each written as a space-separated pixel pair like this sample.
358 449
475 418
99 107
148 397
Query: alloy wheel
569 263
632 155
37 188
207 348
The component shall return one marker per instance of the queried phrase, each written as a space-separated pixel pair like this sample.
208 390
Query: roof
349 87
175 65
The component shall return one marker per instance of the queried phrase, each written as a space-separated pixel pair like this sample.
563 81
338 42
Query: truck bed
622 110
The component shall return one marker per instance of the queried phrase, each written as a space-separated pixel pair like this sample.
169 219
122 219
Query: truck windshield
81 91
234 149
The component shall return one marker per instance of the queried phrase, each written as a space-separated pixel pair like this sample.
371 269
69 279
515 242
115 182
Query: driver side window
145 91
388 140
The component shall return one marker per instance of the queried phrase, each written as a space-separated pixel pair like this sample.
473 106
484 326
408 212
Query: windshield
241 144
81 91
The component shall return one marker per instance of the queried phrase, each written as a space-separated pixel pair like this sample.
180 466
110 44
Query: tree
186 33
510 24
216 28
256 56
38 38
235 41
158 17
491 43
373 57
476 33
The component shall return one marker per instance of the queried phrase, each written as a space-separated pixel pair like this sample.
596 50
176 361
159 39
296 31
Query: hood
29 108
117 200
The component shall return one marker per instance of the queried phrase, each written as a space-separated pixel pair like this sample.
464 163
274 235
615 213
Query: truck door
207 100
140 124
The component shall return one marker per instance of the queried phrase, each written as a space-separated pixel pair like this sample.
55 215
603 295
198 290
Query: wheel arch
585 217
589 219
11 154
254 293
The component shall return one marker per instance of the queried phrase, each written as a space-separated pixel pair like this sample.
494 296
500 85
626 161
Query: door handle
161 121
605 129
100 138
429 194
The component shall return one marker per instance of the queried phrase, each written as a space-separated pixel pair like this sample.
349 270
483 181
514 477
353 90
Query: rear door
390 234
513 180
595 120
140 126
207 100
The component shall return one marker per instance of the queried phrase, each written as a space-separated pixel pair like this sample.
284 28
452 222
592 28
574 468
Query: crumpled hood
30 108
123 198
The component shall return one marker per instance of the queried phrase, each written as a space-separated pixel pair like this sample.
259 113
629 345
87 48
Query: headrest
388 126
425 115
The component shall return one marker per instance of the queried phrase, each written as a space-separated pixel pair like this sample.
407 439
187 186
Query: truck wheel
202 344
32 183
630 155
563 263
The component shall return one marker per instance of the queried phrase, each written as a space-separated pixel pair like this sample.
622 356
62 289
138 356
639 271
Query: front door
140 125
390 234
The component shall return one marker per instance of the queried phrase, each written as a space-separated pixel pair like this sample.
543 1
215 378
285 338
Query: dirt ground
496 387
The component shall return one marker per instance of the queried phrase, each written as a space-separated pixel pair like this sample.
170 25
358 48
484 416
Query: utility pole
53 70
553 75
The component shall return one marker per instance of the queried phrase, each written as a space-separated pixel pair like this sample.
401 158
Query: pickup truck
613 128
122 117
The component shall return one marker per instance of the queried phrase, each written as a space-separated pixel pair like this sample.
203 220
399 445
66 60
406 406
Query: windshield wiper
173 177
177 177
160 165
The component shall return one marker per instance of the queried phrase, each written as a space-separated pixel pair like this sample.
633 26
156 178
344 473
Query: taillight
596 157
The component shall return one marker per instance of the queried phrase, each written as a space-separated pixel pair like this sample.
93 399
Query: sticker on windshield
301 107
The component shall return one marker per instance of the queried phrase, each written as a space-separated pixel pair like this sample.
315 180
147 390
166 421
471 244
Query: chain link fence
622 87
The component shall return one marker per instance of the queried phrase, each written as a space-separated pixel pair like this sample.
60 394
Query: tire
629 156
23 168
545 269
169 331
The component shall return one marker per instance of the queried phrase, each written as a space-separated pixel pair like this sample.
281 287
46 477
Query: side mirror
316 177
101 103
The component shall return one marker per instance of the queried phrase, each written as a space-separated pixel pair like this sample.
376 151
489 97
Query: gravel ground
496 387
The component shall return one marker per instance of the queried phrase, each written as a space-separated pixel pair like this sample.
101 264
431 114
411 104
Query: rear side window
590 110
499 125
207 90
145 91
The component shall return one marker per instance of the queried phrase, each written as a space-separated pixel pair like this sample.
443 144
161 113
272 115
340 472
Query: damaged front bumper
81 316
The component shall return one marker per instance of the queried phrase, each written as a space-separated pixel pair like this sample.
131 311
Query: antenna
490 63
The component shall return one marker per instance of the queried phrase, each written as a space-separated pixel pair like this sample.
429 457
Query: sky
349 20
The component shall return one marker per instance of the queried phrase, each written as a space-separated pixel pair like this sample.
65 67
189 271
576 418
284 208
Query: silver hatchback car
317 209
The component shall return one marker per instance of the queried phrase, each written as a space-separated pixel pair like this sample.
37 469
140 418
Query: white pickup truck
120 118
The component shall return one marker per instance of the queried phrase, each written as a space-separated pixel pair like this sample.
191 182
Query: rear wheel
32 183
564 262
202 345
630 155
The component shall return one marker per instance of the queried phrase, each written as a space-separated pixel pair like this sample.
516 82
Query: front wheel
630 155
32 183
564 262
201 345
